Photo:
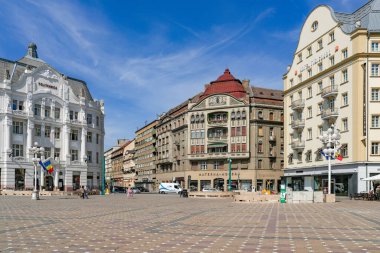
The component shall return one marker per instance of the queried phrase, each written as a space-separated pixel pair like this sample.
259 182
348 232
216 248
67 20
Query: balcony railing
300 123
217 121
298 144
222 155
218 138
330 113
298 104
330 91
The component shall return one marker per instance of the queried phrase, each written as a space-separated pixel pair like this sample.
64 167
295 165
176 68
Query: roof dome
226 83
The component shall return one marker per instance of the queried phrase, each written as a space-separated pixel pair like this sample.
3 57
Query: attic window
314 26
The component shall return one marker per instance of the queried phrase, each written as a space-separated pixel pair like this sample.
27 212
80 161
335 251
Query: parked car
142 189
207 189
117 189
135 190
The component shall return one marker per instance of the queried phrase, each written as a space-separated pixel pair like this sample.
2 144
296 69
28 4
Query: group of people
84 192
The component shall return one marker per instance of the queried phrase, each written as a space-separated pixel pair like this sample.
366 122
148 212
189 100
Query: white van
169 188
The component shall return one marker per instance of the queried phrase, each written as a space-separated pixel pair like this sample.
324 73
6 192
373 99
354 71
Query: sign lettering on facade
48 86
315 61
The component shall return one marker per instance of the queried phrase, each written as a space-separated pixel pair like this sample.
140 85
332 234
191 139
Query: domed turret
32 50
227 84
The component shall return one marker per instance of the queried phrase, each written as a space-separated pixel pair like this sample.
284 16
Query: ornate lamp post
35 150
331 140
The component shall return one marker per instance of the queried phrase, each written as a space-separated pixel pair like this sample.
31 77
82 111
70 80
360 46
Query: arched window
202 118
271 117
238 115
243 116
192 118
260 114
233 115
197 118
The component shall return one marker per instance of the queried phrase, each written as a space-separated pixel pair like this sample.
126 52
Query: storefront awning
217 145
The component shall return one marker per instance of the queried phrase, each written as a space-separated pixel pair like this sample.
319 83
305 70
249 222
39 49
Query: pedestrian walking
82 192
85 196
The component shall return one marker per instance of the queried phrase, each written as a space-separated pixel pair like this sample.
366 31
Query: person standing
85 196
82 191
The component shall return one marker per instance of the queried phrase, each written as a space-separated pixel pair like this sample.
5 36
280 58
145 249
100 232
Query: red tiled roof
226 83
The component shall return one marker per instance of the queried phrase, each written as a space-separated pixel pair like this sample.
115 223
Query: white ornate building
39 104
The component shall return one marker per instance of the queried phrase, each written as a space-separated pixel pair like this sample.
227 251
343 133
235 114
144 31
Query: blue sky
144 57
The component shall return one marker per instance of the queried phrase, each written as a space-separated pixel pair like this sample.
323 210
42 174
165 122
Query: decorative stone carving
48 74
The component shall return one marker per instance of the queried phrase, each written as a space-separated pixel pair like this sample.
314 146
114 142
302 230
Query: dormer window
314 26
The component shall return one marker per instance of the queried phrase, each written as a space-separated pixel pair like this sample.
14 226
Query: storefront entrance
219 184
49 183
20 179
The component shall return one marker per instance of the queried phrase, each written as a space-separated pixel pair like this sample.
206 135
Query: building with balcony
129 170
145 156
333 79
228 120
40 104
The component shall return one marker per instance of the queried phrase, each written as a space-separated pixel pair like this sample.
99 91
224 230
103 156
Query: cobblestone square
167 223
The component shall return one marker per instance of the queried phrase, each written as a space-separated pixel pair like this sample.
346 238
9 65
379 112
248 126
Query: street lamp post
229 173
331 140
35 151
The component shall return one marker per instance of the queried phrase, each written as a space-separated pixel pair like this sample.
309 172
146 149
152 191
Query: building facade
333 80
228 121
40 106
129 164
145 156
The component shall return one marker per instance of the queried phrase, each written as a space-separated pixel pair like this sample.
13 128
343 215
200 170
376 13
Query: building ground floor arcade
20 177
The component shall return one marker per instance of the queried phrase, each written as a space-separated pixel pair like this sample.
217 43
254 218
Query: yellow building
334 80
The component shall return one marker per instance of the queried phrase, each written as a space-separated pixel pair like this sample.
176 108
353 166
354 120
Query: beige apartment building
334 79
229 120
145 156
129 171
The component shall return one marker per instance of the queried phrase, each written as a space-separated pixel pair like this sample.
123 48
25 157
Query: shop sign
315 61
48 86
213 174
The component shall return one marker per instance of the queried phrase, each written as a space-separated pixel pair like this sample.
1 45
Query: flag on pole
47 166
338 156
326 156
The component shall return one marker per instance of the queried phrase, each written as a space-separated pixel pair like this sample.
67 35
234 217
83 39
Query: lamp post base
35 195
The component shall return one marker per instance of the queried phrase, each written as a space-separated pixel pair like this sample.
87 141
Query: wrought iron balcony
298 144
330 113
300 123
298 104
330 91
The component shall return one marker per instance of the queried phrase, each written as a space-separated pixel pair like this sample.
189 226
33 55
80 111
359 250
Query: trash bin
184 193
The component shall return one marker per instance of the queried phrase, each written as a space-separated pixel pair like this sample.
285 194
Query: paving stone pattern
167 223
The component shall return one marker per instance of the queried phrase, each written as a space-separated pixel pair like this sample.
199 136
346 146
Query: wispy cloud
136 86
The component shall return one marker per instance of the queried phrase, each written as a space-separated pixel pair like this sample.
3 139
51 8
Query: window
260 147
89 119
291 82
344 53
37 110
217 164
309 51
345 75
291 99
290 158
37 130
89 156
320 108
320 87
259 164
89 136
97 138
300 78
332 60
332 80
74 135
17 150
318 156
344 150
97 120
260 129
47 152
18 127
309 112
320 128
300 94
282 148
308 156
47 111
97 157
375 121
309 134
320 44
345 99
291 118
57 113
375 148
331 37
18 105
310 72
47 131
57 152
345 124
57 133
375 94
282 132
73 115
299 57
74 155
375 69
271 116
203 165
320 67
309 92
375 46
